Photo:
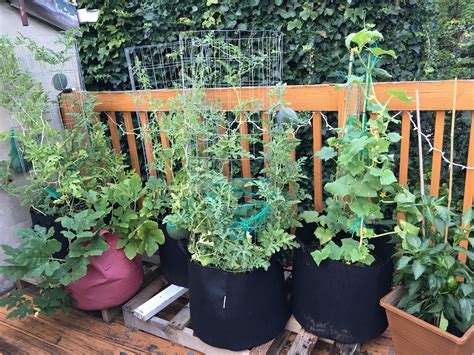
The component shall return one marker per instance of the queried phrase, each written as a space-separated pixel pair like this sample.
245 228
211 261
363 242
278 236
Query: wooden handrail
436 96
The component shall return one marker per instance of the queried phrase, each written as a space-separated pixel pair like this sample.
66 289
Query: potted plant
338 278
58 160
102 268
238 224
430 311
237 292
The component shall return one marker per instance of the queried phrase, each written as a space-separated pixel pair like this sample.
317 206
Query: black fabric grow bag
305 234
237 311
338 301
48 222
174 260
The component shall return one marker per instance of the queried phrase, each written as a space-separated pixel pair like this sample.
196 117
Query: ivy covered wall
314 32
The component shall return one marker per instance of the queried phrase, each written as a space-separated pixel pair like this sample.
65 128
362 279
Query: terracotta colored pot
411 335
111 279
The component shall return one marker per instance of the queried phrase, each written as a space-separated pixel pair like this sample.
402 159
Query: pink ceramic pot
111 279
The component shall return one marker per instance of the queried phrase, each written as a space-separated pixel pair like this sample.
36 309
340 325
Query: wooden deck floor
81 333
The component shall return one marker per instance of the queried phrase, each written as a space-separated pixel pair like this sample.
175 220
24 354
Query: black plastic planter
338 301
237 311
174 260
48 222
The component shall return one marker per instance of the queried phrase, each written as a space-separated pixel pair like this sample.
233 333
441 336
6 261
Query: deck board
81 333
78 333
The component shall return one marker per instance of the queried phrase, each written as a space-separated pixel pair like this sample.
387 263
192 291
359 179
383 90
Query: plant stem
451 155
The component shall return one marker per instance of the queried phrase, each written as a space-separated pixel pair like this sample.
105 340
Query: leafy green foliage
62 162
428 267
364 167
313 32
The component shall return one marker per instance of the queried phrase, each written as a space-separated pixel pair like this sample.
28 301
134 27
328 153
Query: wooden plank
111 120
225 165
293 325
437 144
116 334
245 145
404 153
159 302
132 144
185 337
182 319
265 135
303 344
144 295
148 143
109 314
469 184
262 349
404 149
165 144
15 341
63 338
278 343
347 349
435 96
341 107
317 164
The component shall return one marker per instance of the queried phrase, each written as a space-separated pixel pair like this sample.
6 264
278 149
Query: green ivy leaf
324 234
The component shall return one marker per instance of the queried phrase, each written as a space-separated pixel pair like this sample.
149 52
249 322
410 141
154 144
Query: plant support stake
451 155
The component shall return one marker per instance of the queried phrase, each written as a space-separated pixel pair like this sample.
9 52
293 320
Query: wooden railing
434 96
437 96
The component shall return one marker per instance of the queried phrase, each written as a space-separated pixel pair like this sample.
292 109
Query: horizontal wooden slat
434 96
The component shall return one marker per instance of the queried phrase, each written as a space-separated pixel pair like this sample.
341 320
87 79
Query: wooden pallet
162 309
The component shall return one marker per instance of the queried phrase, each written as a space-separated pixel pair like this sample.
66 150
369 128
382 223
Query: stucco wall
12 214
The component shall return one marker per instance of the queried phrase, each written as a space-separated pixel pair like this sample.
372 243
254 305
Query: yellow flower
383 194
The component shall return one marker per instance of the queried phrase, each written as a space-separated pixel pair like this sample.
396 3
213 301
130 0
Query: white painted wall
12 214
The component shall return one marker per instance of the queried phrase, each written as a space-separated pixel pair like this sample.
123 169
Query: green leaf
403 261
466 309
339 187
379 51
309 216
394 137
443 322
326 153
381 73
387 177
324 234
401 95
418 269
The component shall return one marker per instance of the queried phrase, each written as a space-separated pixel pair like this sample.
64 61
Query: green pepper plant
439 286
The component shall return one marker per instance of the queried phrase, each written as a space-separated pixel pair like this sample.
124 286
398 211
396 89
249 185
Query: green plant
235 223
364 168
428 267
113 207
62 162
